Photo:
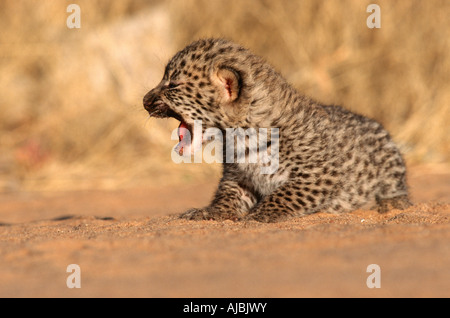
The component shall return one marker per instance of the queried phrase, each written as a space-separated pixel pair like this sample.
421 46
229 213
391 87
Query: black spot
397 175
210 56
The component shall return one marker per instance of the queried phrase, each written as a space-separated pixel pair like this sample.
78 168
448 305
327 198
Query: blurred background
71 114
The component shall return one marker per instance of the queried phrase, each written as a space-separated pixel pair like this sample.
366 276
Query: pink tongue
181 133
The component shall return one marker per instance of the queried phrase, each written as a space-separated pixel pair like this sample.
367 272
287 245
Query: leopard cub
330 159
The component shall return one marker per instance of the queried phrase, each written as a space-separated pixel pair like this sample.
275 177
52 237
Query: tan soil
130 243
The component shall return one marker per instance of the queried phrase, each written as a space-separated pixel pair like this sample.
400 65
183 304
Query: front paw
259 217
196 214
267 217
208 214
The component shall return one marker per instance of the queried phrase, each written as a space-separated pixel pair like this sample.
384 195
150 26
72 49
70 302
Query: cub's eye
173 85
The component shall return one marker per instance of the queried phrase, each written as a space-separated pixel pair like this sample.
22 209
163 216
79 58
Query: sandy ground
130 244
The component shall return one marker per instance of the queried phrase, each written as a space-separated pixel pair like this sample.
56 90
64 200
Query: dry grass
71 114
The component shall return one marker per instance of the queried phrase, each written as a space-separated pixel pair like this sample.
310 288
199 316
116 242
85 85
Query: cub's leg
291 199
231 202
400 202
392 190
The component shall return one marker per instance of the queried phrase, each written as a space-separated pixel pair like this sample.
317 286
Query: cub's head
207 81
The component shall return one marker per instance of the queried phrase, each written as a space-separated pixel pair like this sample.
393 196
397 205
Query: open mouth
185 133
184 136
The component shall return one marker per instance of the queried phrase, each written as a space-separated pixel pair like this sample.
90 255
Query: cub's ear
229 82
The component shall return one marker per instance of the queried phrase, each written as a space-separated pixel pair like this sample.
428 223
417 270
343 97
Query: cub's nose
149 100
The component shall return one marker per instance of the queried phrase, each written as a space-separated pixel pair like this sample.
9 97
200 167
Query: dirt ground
131 244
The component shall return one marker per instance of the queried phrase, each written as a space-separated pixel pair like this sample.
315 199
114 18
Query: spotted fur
330 159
